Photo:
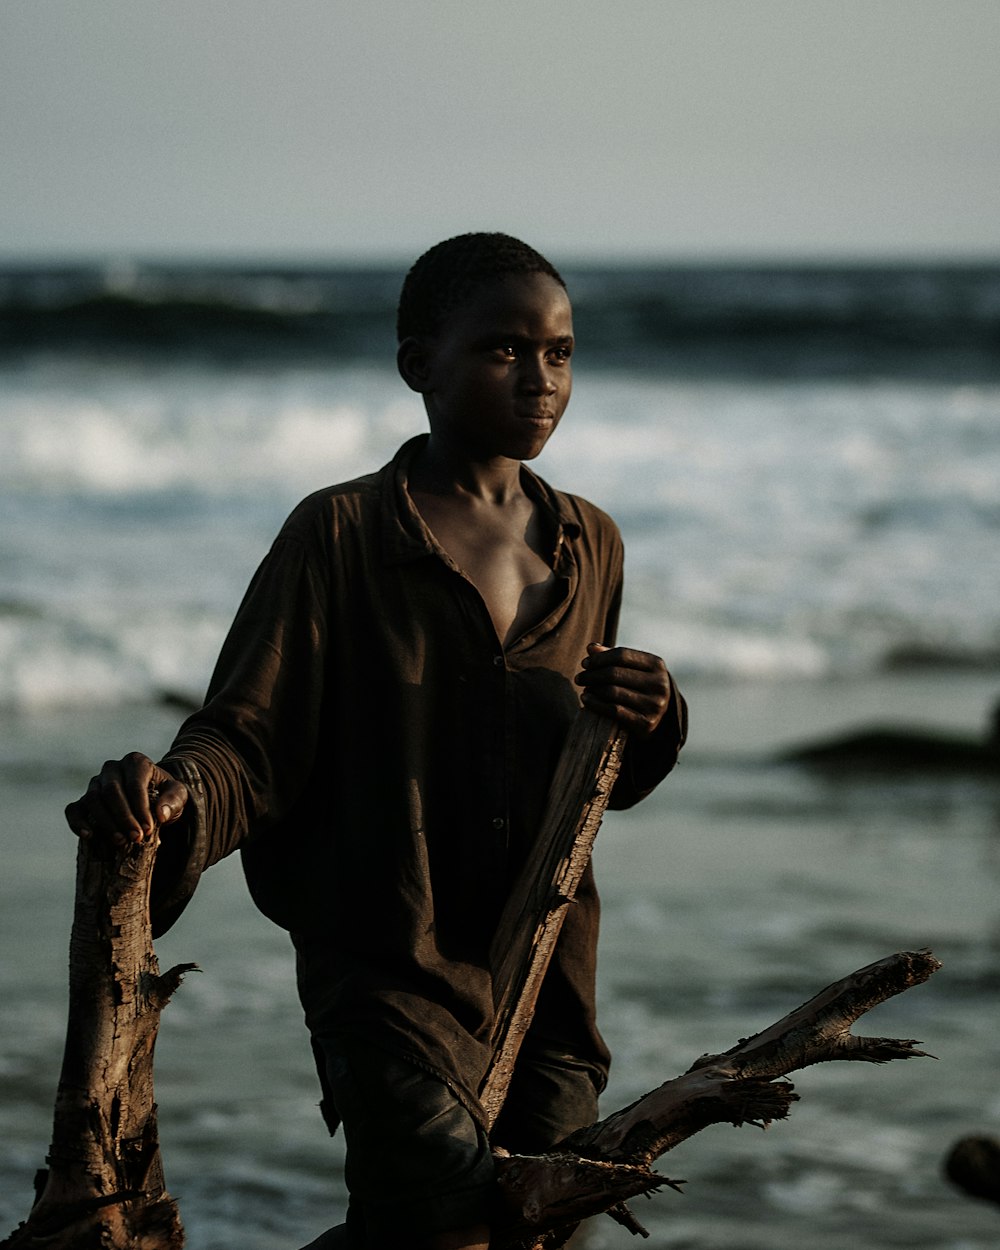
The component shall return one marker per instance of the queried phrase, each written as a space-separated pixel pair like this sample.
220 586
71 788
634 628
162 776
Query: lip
538 418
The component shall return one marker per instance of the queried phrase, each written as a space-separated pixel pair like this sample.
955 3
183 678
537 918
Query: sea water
812 549
773 529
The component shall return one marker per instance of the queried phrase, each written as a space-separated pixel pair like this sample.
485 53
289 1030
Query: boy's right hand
127 800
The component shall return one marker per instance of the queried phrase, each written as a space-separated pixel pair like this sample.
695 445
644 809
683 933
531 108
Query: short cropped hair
449 272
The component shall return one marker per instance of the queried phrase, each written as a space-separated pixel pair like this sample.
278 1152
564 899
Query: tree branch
545 1195
529 927
104 1185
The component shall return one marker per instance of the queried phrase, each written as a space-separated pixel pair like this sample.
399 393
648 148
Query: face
498 375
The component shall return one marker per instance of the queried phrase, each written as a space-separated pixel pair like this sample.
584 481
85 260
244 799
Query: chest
506 558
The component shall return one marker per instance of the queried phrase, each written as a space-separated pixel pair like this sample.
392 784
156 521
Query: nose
537 376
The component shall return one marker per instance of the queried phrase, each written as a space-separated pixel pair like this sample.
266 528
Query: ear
413 360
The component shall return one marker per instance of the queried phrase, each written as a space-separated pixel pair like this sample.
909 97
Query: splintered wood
529 927
104 1184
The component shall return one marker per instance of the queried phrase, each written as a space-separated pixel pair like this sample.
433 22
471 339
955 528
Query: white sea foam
213 433
772 529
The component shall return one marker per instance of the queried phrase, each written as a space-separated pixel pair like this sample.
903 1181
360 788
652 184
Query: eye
561 355
507 351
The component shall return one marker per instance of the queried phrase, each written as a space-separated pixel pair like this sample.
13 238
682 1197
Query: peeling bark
104 1185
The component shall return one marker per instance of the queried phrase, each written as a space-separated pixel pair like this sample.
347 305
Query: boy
379 737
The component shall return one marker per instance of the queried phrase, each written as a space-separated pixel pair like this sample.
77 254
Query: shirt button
498 822
498 661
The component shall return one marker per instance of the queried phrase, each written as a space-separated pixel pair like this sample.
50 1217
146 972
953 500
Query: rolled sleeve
246 755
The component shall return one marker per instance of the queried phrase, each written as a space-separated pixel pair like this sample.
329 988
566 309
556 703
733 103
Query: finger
640 722
624 668
650 684
90 816
599 656
168 798
596 651
643 703
138 778
78 819
113 796
632 687
638 670
125 799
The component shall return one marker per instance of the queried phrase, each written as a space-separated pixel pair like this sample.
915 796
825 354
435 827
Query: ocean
804 462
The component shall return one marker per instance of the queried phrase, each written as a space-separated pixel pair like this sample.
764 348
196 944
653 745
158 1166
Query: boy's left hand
632 687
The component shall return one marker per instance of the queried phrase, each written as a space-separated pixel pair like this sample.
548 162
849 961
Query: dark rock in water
894 749
883 749
179 701
973 1164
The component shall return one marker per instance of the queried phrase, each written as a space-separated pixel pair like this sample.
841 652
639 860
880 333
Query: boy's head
451 271
486 336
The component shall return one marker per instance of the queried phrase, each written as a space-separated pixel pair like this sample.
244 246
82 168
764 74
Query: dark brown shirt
382 762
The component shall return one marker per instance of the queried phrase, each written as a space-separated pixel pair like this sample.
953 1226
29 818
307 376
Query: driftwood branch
104 1184
598 1168
533 916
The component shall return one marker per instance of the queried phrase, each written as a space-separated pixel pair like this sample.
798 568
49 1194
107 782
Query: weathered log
598 1168
104 1189
533 916
104 1185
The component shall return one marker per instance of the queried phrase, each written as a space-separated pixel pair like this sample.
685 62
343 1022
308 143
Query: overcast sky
360 128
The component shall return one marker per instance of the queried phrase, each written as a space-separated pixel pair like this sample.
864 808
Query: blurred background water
804 462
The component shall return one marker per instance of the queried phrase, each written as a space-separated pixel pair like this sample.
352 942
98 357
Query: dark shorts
418 1162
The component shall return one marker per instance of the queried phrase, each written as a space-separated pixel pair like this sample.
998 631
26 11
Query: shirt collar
405 537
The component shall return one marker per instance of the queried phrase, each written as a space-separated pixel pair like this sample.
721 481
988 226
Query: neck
440 469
